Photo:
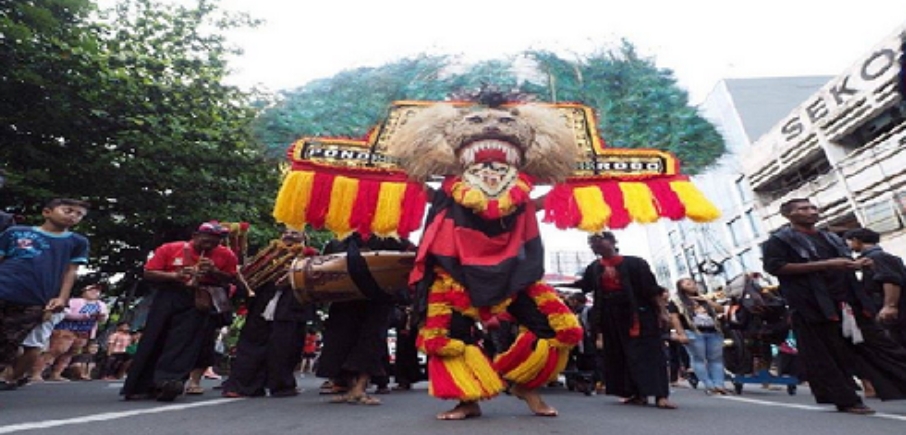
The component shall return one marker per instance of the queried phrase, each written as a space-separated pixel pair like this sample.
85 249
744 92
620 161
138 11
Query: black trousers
171 342
633 365
407 370
830 361
355 339
266 357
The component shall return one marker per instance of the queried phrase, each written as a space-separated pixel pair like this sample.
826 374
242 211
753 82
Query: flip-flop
333 390
856 409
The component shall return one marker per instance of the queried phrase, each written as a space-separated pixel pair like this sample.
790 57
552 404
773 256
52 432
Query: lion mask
445 140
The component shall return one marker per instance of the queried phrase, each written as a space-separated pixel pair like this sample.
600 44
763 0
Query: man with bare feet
628 323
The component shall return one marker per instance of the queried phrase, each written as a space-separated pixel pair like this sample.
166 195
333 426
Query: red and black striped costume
470 268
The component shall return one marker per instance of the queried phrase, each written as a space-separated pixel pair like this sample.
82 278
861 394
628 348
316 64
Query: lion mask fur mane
433 142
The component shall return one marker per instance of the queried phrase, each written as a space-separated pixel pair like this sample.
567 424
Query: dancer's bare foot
634 400
663 403
462 411
534 401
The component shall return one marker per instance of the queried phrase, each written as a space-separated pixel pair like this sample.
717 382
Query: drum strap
361 276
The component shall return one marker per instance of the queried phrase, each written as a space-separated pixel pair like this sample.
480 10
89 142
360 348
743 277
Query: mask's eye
506 120
474 119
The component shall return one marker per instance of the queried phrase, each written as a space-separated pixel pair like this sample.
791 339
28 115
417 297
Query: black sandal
859 409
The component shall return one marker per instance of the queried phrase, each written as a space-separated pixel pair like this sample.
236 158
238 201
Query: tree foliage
639 105
127 110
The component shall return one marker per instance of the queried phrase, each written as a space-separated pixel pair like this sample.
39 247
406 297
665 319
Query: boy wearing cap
174 334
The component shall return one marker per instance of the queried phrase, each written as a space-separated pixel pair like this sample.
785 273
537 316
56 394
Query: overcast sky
702 41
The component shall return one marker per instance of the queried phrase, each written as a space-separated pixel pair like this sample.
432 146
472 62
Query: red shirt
311 343
610 279
169 257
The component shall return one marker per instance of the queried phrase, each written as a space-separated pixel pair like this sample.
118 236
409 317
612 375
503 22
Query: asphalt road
95 408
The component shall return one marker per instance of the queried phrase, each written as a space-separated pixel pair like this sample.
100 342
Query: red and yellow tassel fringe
368 204
460 371
456 370
533 361
594 206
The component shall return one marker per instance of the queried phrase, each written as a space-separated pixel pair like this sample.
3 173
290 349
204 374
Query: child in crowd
78 327
38 266
117 352
84 363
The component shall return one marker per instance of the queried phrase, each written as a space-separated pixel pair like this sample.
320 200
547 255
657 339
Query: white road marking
107 416
806 407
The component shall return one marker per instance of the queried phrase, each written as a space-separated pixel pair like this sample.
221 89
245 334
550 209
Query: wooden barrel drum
327 278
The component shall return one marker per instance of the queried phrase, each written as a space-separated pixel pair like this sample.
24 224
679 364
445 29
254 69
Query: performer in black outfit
832 315
270 344
355 334
406 365
884 281
626 318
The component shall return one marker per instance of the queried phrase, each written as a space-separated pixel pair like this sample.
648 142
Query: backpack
760 314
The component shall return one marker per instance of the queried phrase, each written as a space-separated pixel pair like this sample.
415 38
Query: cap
213 227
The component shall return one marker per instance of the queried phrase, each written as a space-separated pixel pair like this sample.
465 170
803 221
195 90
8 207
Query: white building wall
679 248
844 148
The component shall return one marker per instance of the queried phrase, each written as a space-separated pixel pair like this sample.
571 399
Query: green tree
349 103
638 104
127 109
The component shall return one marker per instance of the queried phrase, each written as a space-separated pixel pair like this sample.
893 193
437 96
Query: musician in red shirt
190 278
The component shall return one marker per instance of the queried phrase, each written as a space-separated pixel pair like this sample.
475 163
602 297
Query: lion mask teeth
484 151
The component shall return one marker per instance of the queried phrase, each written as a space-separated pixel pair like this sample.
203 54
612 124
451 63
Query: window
753 221
676 239
732 267
794 178
743 191
873 128
681 264
737 231
881 216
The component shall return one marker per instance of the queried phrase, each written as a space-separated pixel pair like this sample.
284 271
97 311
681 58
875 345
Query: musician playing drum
355 336
270 344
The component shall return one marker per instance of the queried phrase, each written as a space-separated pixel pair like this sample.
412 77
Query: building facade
844 148
742 110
